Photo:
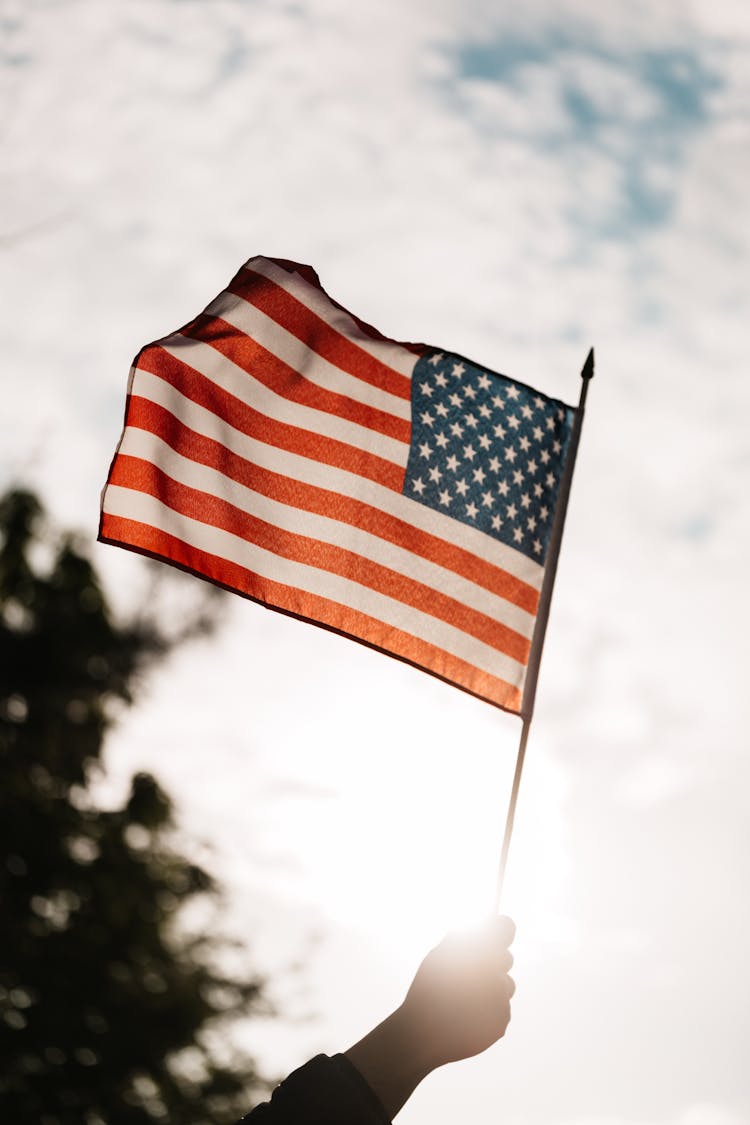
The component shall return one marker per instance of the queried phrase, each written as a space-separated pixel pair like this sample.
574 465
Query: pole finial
588 367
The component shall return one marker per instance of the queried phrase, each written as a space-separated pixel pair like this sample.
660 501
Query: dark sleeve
325 1091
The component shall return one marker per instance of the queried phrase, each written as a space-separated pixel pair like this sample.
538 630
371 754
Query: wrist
392 1060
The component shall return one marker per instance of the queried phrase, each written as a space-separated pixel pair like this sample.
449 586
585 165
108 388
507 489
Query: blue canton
487 451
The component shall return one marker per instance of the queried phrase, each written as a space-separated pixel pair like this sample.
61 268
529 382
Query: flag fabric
396 493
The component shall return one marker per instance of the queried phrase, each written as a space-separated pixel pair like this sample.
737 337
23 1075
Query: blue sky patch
646 140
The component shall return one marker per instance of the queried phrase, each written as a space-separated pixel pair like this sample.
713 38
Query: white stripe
335 480
130 504
287 347
387 352
227 375
148 447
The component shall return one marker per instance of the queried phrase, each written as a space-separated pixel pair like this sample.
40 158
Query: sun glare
402 842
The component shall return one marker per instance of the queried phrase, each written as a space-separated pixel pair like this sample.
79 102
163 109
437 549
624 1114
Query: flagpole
545 599
511 812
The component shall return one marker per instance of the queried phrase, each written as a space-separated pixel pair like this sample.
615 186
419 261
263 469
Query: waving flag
396 493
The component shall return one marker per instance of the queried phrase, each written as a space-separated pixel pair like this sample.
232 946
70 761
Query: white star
524 443
494 465
445 498
427 418
458 369
488 499
479 475
442 410
441 440
472 511
452 462
435 359
484 441
544 457
498 402
511 511
526 410
435 474
539 402
441 380
538 433
454 399
518 477
457 429
537 546
469 391
425 450
513 392
531 467
550 480
543 512
513 421
561 414
537 490
510 454
485 411
426 389
550 423
484 382
471 420
469 452
556 447
517 534
531 523
497 523
525 500
499 431
462 487
418 485
503 488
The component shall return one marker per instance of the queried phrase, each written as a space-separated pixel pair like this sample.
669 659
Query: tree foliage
108 1011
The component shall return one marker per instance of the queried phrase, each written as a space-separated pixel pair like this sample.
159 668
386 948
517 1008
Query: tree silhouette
108 1011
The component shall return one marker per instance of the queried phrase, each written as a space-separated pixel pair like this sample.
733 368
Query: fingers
498 930
504 929
504 932
481 949
505 964
508 928
497 935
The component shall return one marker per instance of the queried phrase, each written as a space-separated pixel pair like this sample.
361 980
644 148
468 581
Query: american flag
396 493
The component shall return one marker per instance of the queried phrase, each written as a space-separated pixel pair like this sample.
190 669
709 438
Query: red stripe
312 330
249 355
240 416
149 416
309 274
135 473
317 610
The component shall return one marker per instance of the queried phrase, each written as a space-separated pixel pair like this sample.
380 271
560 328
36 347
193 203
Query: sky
512 183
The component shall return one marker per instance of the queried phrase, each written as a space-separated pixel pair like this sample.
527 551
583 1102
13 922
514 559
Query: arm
457 1006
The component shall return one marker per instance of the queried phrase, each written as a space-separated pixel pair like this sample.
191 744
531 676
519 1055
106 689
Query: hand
457 1005
459 1001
